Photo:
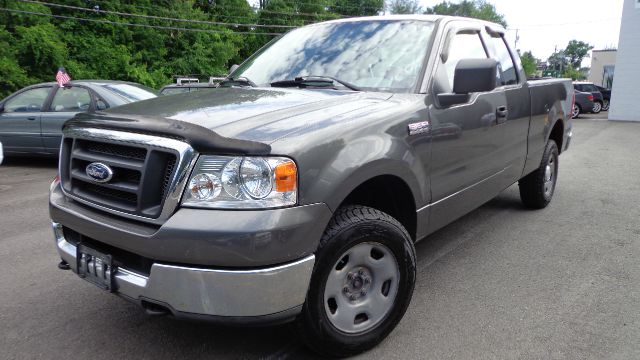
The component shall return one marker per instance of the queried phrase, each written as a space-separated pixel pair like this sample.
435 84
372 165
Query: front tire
575 112
537 188
605 105
362 282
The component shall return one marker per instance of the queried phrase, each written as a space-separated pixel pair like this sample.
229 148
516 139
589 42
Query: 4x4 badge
419 128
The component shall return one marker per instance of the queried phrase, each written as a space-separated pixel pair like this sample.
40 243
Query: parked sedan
598 99
584 102
31 119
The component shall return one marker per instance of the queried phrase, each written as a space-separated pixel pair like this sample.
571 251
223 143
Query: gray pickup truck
297 190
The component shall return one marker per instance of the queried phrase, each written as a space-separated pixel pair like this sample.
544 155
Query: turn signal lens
286 175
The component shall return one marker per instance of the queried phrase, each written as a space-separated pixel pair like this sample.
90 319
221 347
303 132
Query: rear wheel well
388 194
557 134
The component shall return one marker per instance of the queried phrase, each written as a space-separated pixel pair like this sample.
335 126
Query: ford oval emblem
99 172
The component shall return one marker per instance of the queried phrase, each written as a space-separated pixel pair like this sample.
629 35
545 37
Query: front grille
142 174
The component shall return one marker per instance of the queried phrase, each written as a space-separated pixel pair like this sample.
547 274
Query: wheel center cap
357 283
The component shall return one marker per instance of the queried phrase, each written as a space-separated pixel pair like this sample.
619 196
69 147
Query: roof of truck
431 18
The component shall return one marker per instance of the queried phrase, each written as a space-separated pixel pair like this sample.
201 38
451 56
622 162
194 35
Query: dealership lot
502 282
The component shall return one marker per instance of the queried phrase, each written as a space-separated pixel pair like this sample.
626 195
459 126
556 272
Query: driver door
66 103
20 121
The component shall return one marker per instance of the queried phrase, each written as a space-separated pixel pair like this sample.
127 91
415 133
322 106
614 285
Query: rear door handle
31 118
502 114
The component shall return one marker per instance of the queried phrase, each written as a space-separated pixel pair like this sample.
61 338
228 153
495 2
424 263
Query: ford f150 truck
297 190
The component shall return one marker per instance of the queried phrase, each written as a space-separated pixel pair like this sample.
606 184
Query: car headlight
227 182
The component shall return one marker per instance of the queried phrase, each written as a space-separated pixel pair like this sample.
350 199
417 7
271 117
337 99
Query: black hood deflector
203 140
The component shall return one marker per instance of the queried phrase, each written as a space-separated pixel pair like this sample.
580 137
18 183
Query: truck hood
252 114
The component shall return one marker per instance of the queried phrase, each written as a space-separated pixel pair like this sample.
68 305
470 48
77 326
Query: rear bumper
269 294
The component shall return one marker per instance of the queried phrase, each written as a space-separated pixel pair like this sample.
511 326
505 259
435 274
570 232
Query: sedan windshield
378 55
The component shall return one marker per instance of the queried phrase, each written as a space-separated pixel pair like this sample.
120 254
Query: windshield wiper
314 81
240 80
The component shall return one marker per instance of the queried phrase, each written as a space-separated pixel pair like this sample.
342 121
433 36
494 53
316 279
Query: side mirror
233 68
471 76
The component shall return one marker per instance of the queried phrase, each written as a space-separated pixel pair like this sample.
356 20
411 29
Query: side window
498 50
28 101
463 46
71 99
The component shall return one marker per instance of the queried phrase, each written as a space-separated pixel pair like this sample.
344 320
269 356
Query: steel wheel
549 177
575 112
597 107
361 288
605 105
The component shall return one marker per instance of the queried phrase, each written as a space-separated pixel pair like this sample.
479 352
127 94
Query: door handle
32 118
502 113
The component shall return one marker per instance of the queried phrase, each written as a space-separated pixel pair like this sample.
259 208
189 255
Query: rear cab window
499 51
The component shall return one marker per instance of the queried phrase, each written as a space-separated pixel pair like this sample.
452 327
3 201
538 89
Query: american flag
62 77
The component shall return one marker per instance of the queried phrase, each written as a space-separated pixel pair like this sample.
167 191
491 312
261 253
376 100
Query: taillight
590 97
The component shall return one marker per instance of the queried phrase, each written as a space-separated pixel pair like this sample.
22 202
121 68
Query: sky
545 24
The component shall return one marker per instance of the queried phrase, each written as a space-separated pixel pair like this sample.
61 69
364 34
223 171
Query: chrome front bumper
191 291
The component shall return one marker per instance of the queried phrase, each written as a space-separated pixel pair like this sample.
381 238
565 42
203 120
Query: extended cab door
511 80
20 121
466 161
67 102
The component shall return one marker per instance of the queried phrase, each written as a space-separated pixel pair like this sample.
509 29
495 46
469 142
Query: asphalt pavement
502 282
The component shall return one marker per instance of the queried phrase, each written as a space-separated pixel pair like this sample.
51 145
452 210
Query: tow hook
63 265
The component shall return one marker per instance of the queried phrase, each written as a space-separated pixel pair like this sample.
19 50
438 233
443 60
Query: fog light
205 187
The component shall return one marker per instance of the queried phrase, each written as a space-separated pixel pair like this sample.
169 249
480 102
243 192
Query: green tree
357 7
404 7
573 74
529 63
576 51
479 9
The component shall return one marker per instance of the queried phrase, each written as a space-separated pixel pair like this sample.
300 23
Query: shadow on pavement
34 162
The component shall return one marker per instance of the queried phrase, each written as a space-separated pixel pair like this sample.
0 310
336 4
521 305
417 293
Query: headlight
226 182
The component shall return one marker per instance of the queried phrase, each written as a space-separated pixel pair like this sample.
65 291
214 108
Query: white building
603 64
625 104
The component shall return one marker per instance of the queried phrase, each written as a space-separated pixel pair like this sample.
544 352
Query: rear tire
605 105
597 107
361 285
537 188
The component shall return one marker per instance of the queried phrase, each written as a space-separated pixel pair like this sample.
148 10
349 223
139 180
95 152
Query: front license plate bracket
95 267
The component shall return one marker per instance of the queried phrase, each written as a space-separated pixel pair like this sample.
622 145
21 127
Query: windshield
378 55
130 92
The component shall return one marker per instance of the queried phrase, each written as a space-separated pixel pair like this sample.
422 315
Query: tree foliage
567 62
404 7
479 9
134 48
576 51
529 63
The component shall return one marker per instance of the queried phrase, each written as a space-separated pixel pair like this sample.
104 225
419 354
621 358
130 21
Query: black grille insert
141 179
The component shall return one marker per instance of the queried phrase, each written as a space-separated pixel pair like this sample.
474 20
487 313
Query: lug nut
349 276
360 272
345 289
367 280
352 297
363 292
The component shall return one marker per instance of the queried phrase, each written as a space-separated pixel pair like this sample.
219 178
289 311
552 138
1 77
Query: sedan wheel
576 111
605 105
597 107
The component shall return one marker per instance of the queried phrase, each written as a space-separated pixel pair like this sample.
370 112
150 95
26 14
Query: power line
156 17
226 31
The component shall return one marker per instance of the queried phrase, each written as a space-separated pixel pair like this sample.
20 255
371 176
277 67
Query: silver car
31 119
